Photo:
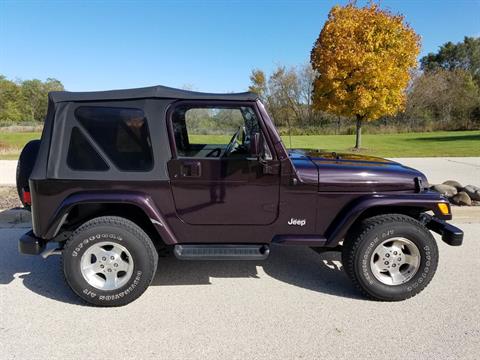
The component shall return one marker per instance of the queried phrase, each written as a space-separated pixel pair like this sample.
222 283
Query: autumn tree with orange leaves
363 58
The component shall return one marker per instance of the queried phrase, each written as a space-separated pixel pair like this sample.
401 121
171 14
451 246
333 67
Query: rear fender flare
347 217
141 200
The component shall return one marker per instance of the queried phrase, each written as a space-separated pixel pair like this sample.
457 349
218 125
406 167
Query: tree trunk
358 140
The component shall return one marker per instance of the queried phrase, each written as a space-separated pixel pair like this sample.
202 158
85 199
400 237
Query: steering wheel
232 142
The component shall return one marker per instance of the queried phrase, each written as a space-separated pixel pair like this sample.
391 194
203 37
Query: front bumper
450 234
30 244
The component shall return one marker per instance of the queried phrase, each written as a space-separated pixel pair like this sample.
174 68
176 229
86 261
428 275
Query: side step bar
221 252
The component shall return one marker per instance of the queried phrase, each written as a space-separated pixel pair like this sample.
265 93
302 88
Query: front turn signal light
444 208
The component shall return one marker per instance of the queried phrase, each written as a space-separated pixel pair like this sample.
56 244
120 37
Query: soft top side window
122 134
81 154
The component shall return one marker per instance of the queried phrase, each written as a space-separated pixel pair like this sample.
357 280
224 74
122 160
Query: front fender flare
141 200
426 201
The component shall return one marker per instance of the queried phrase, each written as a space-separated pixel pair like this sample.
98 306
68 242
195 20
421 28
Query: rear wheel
109 261
390 257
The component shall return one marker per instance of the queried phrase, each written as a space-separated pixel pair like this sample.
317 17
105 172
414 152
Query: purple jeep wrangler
120 175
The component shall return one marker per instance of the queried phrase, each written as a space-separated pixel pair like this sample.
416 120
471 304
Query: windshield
273 128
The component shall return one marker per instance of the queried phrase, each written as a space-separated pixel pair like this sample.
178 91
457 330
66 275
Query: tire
25 164
368 257
130 257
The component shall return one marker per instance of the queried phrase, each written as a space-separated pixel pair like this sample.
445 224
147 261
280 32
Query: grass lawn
453 143
11 143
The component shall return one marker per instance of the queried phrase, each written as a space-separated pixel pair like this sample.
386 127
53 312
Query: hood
354 172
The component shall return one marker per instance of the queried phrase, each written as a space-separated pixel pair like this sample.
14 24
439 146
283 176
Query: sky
203 45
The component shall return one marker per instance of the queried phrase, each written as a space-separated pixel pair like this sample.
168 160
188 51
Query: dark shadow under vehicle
297 266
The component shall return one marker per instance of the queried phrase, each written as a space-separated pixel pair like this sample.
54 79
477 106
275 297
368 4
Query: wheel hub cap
395 261
106 266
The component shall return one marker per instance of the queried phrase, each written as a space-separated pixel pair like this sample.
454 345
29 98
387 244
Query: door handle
191 169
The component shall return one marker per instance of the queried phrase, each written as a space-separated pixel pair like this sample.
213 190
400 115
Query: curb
466 214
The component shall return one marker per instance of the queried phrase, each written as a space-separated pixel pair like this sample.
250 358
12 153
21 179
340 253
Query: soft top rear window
122 133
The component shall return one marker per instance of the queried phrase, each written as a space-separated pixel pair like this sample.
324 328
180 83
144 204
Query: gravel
9 197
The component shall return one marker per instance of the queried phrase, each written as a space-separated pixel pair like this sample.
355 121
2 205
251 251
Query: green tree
10 107
463 55
32 97
287 93
448 99
25 100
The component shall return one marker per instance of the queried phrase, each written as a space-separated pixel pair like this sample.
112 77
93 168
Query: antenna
289 132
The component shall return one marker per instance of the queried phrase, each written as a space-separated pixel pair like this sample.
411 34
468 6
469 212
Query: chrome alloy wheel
106 266
395 261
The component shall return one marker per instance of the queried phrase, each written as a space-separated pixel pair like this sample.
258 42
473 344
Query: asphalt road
295 305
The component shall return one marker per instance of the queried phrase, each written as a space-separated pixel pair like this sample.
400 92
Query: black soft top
147 92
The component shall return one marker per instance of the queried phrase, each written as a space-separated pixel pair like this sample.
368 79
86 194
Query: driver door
215 177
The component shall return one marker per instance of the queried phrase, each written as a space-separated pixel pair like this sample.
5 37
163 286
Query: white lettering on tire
93 238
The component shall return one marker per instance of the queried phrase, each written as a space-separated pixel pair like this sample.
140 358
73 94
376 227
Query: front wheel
390 257
109 261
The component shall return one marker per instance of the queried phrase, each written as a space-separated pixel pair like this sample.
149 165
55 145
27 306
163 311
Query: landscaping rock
462 198
472 191
455 184
471 188
446 190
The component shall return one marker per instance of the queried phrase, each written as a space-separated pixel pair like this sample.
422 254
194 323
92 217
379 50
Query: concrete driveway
466 170
295 305
8 170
